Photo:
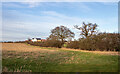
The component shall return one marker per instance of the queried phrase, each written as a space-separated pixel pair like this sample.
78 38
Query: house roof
38 38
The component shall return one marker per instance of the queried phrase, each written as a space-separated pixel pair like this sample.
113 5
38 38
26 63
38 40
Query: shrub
73 44
20 42
101 42
53 43
36 43
47 43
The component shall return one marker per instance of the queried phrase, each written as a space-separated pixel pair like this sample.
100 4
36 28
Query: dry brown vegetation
21 57
96 52
21 47
10 50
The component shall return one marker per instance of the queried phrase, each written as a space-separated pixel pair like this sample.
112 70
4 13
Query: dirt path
21 47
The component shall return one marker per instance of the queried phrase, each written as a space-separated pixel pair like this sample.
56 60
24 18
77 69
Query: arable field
20 57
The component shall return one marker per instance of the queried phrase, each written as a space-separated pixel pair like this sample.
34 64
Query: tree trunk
62 40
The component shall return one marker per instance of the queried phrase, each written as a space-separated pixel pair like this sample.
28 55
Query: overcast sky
22 20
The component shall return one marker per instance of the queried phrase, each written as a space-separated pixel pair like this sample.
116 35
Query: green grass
65 45
59 61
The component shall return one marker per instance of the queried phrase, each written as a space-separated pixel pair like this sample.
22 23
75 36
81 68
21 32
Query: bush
48 43
109 42
36 43
73 44
8 42
101 42
20 42
14 42
53 43
86 44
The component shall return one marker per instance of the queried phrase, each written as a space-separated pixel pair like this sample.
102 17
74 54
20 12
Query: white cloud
41 25
31 4
56 4
10 4
110 3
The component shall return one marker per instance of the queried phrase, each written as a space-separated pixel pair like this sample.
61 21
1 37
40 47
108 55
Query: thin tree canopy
87 30
61 33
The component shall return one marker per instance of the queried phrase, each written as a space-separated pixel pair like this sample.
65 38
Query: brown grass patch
21 47
96 52
21 50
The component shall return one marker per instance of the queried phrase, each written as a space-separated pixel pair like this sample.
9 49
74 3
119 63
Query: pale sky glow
22 20
59 0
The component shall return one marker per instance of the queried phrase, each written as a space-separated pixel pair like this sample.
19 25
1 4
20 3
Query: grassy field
20 57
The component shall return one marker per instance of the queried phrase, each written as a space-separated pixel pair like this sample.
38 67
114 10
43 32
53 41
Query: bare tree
52 37
87 30
61 33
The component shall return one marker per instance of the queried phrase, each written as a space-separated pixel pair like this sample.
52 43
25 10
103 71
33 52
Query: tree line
90 38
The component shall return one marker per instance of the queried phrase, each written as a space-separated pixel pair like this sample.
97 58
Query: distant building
35 39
